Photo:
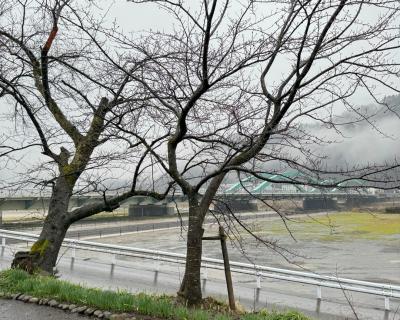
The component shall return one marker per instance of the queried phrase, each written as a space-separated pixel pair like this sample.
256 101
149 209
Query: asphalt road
82 231
17 310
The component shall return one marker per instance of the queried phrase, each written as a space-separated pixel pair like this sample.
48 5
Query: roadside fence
259 272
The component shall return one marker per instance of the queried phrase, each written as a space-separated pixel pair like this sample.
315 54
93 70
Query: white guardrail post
319 293
386 291
205 278
258 275
387 304
258 285
156 268
73 255
113 263
3 245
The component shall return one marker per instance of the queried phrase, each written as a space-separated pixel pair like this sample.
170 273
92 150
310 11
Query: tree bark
190 290
43 254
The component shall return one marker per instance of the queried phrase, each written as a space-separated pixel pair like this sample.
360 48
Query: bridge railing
259 272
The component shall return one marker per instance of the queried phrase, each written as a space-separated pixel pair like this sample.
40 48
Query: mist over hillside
388 109
369 136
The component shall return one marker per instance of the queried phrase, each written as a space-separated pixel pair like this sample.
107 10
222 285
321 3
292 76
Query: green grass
340 226
162 306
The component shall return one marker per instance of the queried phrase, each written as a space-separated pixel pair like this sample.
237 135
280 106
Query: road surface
93 230
17 310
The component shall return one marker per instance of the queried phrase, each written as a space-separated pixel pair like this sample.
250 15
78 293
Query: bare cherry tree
234 84
63 94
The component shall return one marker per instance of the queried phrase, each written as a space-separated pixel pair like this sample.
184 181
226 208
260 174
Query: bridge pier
319 203
149 210
80 201
356 201
28 203
236 205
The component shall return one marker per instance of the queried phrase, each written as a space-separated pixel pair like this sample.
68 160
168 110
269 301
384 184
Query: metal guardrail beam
259 271
96 196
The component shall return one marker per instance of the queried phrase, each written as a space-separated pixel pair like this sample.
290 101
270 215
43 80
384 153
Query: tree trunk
190 290
44 252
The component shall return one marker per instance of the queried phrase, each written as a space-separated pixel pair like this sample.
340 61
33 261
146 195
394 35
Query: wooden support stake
228 275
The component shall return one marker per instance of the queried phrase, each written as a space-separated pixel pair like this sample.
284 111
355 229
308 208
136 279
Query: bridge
243 195
295 181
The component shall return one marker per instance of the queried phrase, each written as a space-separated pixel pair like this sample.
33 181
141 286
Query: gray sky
133 17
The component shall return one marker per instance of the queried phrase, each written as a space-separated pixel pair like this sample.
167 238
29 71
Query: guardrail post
258 288
205 277
3 246
319 292
73 256
156 269
113 262
387 303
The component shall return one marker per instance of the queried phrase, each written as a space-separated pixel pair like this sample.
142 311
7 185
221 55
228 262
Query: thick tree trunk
190 290
44 252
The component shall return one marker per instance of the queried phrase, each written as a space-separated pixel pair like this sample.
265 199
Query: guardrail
380 289
10 195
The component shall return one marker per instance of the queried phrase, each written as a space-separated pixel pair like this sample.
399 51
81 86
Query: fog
376 140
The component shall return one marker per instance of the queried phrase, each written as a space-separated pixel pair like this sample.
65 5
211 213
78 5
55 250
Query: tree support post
228 275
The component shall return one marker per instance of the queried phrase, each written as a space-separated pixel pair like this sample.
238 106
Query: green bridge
294 181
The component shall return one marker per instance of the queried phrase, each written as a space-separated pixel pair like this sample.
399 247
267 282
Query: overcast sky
132 17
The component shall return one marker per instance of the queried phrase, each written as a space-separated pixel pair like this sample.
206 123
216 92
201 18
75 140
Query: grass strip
161 306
